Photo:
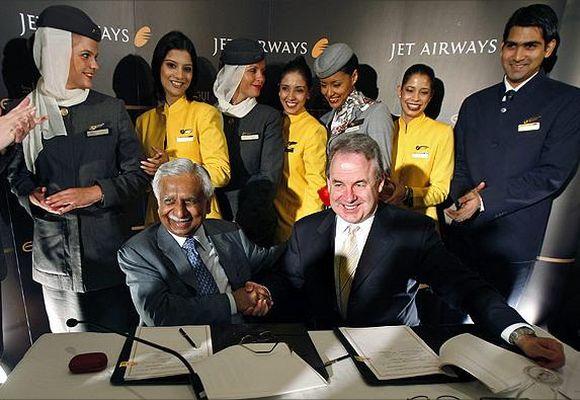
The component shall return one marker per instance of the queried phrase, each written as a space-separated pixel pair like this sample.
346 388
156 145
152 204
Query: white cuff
505 334
481 206
233 307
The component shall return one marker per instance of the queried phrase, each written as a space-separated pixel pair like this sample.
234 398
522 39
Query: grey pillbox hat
332 60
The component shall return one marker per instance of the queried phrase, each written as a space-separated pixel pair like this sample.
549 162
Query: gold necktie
347 268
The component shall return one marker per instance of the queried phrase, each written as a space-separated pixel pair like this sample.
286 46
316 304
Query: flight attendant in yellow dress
180 127
422 159
305 150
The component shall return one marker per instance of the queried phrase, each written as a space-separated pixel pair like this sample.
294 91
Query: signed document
148 362
393 352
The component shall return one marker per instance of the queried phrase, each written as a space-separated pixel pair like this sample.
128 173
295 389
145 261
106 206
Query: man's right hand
38 199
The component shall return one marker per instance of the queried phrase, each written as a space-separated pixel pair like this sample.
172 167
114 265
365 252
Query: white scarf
52 53
226 83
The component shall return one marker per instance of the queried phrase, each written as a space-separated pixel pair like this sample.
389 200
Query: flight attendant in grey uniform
254 136
74 173
352 112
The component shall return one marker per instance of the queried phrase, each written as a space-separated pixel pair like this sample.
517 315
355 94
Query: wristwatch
519 332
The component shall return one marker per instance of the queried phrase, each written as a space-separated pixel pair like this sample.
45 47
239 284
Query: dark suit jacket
402 249
162 283
523 170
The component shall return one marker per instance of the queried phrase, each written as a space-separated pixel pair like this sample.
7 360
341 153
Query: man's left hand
547 352
73 198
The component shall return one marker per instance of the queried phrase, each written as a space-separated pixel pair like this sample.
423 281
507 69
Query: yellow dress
303 172
187 129
423 160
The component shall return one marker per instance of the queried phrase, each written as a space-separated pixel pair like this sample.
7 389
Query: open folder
396 354
248 371
146 362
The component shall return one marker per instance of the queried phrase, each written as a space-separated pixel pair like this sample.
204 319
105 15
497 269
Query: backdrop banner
460 39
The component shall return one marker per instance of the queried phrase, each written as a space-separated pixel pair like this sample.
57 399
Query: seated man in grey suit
359 263
189 270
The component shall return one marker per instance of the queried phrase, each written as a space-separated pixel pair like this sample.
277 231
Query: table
43 374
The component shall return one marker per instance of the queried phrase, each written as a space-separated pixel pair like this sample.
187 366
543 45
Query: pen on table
186 337
330 362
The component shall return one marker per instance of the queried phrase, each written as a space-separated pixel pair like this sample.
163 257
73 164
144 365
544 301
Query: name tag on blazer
528 127
290 147
354 125
423 155
97 130
249 136
185 135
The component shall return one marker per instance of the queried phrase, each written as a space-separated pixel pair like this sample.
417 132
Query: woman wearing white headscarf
73 173
254 136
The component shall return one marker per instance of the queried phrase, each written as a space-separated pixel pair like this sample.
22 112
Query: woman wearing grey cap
74 173
352 112
254 136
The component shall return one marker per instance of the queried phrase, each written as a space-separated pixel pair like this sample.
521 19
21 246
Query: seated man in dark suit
359 263
189 270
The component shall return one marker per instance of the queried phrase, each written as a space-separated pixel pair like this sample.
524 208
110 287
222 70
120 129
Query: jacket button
502 110
494 145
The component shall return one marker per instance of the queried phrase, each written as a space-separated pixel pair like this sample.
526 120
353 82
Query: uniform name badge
354 125
423 155
249 136
186 136
527 127
97 130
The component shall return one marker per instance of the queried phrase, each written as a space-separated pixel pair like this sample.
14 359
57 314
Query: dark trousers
110 307
509 278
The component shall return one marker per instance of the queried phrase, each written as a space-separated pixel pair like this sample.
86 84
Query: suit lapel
327 232
376 249
171 250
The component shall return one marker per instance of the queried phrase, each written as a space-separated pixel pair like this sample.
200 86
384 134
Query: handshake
253 299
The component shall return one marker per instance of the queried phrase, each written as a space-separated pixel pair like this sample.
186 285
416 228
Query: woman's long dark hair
173 40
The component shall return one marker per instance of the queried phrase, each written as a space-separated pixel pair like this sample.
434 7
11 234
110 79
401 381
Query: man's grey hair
357 143
181 166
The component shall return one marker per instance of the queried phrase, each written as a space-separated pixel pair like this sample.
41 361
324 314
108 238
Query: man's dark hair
540 16
173 40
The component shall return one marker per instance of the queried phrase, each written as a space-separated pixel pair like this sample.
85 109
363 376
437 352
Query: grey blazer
375 120
162 283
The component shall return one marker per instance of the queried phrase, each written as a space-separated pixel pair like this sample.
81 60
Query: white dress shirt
210 258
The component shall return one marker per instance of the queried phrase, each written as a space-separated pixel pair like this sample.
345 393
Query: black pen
329 363
186 337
